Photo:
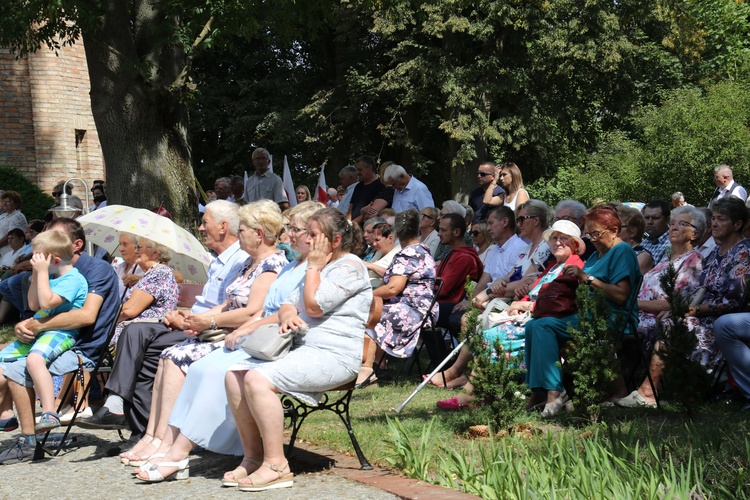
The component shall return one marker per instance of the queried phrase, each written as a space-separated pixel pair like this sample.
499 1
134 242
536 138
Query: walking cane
426 381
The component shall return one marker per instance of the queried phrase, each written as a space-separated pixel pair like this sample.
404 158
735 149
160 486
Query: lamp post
65 210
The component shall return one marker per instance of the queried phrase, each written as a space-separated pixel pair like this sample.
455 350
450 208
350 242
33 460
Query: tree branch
182 77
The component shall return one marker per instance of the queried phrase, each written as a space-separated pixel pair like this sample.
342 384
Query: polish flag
321 192
288 185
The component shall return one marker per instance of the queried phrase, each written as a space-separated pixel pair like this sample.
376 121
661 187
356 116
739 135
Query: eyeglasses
565 217
425 216
475 233
595 235
562 239
522 218
295 230
681 224
483 174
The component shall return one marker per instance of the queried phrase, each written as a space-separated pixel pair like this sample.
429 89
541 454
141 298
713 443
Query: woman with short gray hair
686 226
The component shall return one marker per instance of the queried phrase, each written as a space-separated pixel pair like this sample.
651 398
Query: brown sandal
239 472
282 481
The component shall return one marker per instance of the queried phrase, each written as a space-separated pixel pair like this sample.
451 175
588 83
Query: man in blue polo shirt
140 344
93 319
409 192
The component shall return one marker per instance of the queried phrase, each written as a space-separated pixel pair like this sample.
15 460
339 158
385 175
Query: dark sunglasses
56 193
475 233
483 174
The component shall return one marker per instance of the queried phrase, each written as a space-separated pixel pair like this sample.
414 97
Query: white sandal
154 476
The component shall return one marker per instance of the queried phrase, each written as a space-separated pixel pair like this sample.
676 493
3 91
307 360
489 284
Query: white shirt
346 200
500 259
432 241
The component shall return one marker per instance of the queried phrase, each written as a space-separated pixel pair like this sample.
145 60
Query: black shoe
103 419
20 451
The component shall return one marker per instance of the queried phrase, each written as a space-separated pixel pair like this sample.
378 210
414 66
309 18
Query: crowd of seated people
362 295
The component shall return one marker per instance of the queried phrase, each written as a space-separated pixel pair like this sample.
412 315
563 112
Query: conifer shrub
590 355
498 380
35 202
685 381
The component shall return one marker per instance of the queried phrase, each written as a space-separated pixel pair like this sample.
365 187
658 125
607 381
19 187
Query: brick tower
47 131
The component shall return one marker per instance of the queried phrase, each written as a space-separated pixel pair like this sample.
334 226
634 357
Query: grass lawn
6 333
709 452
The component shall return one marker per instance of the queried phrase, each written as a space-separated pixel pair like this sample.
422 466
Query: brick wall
46 127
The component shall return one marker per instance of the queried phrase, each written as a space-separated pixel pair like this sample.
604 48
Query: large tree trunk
141 122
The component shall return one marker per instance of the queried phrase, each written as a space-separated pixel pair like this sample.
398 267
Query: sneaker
48 420
85 413
20 451
9 424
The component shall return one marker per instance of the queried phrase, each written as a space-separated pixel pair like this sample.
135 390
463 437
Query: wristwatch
213 323
590 280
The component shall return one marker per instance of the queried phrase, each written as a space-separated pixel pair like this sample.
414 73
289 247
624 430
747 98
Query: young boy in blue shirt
53 252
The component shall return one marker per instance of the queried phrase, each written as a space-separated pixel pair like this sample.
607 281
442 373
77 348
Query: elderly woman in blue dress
201 415
614 270
260 223
403 299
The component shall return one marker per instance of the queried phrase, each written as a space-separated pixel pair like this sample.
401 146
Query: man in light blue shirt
140 344
409 192
349 179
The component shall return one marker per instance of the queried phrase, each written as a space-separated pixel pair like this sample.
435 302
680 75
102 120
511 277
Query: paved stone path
85 470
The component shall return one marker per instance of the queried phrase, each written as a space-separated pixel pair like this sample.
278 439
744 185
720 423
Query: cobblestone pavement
85 470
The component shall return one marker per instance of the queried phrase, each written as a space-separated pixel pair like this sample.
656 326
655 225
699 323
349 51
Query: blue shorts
66 363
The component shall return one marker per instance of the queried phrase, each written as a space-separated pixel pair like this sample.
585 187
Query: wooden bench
297 411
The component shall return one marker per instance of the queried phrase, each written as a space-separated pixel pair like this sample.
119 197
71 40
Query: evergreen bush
497 379
591 355
35 201
686 382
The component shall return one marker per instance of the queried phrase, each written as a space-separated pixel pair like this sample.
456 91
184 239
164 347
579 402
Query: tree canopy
577 92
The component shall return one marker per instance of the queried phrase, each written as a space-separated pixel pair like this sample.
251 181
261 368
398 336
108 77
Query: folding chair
436 287
103 366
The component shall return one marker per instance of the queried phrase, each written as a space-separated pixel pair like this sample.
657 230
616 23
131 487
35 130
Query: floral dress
689 267
724 279
397 332
158 282
191 350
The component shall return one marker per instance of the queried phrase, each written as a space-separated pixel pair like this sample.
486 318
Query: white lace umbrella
103 228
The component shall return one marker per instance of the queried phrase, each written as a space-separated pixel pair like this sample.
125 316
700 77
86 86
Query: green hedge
35 201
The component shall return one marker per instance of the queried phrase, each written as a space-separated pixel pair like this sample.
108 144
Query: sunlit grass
715 440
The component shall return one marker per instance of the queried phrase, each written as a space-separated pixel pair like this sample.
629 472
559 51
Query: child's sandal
48 420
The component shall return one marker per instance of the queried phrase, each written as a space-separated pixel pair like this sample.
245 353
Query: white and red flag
288 185
321 191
